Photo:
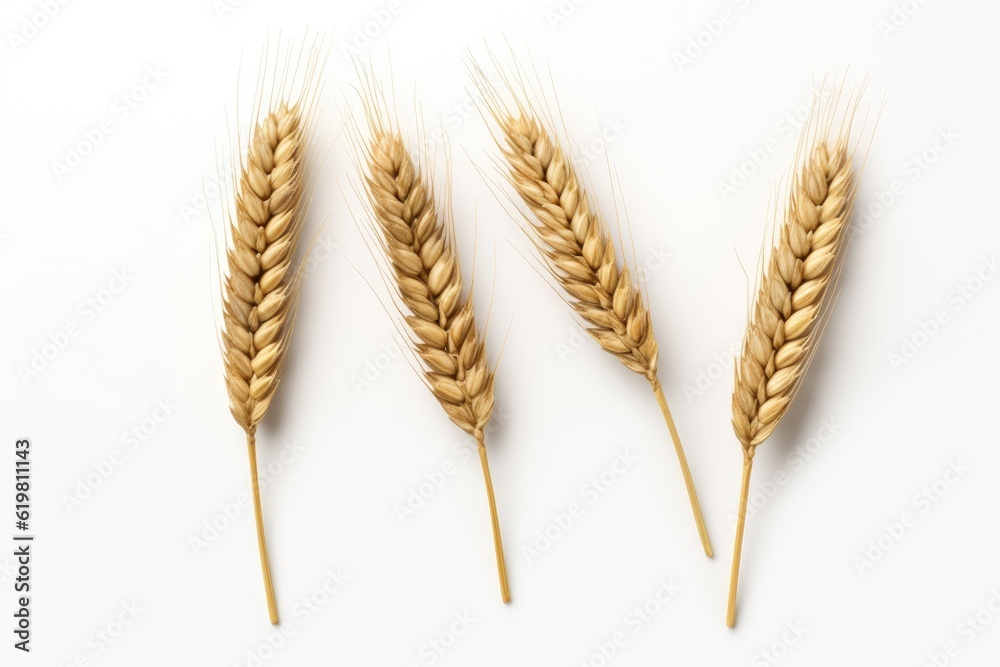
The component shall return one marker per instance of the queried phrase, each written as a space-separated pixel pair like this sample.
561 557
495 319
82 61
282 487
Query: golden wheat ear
785 321
260 287
418 258
574 242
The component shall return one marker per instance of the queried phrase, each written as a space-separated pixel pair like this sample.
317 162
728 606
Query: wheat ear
422 261
580 254
785 321
260 288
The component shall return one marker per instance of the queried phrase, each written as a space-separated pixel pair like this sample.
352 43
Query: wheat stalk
578 251
260 289
785 321
419 249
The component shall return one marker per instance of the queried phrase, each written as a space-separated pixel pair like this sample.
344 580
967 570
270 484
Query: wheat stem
741 520
685 470
495 519
272 607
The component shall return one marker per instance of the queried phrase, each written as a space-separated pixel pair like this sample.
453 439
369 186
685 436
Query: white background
135 204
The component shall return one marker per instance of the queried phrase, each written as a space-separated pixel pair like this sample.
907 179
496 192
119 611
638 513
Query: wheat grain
784 323
423 263
577 249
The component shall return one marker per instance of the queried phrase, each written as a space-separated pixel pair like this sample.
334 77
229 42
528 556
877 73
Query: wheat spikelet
780 334
425 265
260 287
422 262
579 252
785 320
577 246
